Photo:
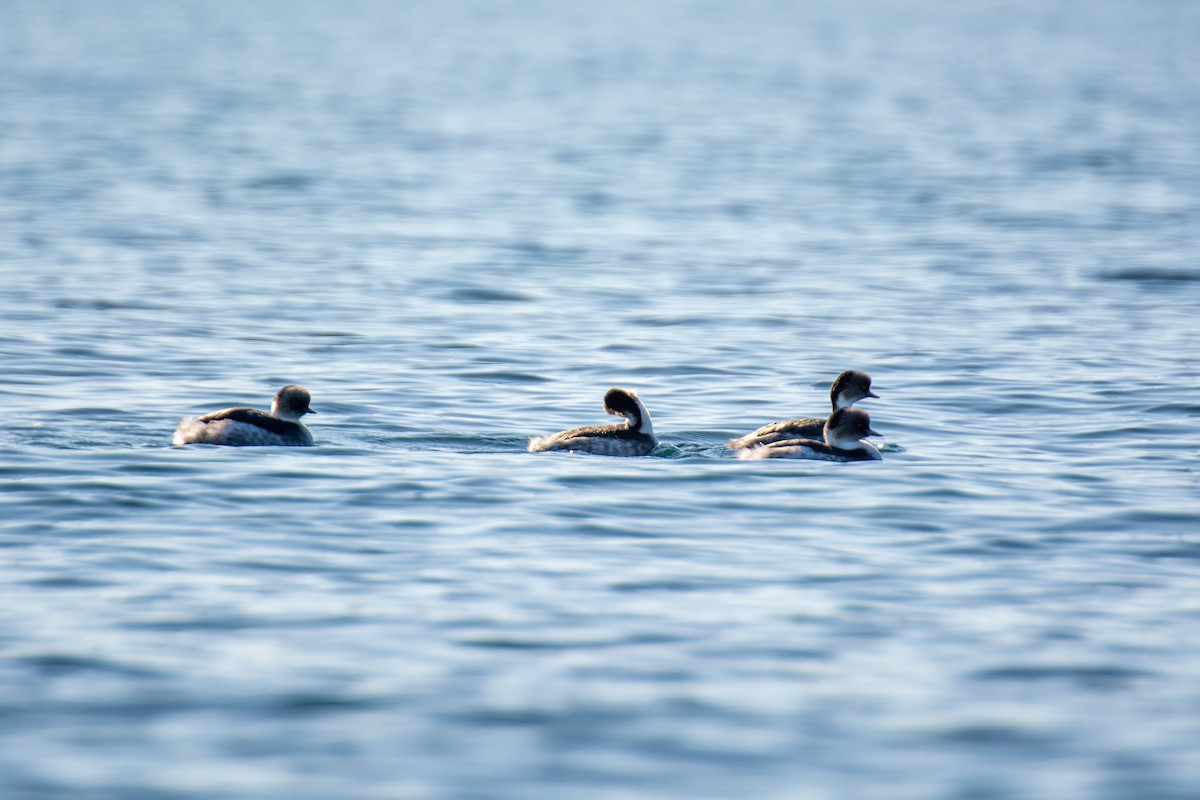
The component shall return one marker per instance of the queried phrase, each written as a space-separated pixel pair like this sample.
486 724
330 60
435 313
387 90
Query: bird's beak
872 432
311 411
872 394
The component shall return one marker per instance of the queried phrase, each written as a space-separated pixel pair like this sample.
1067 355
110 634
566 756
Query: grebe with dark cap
847 389
634 438
244 427
845 440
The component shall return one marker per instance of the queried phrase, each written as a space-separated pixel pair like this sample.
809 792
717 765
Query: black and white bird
244 427
847 389
844 440
634 438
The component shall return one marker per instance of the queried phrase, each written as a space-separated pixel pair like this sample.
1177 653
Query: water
458 227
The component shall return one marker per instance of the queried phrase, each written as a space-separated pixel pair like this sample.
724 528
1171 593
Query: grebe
241 427
847 389
634 438
845 433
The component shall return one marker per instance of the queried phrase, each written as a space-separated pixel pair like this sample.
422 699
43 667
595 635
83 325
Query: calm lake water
458 224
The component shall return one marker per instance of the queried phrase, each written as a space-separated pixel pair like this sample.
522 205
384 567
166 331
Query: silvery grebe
847 389
845 433
241 427
634 438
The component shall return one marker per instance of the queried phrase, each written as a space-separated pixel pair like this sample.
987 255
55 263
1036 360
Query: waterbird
633 438
243 427
847 389
844 439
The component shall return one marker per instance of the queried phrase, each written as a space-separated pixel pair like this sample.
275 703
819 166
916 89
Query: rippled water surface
458 226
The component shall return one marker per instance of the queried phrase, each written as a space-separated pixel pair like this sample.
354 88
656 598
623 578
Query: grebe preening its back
845 440
634 438
245 427
847 389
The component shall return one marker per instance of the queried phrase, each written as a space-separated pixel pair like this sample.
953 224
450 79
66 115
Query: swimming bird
634 438
844 440
847 389
240 427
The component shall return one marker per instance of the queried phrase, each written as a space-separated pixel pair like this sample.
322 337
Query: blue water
458 226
